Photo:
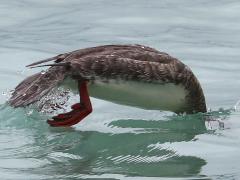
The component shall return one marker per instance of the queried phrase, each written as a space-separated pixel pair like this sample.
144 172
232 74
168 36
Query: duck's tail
36 86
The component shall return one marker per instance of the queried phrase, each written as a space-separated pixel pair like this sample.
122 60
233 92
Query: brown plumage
118 62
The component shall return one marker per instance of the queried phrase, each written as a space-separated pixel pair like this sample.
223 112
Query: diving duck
133 75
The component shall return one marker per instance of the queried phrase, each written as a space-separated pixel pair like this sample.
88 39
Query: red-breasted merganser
133 75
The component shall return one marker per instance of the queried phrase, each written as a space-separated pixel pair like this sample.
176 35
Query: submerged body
126 74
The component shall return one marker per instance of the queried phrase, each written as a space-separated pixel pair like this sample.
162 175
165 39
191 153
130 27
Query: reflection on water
120 142
141 151
49 150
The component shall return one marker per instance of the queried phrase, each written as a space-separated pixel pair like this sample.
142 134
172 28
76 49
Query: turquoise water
120 142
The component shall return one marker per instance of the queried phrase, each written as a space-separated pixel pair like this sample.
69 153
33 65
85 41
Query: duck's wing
36 86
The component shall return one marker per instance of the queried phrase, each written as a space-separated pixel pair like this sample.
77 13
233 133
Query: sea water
115 141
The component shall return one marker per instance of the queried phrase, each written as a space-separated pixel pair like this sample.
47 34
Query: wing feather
36 86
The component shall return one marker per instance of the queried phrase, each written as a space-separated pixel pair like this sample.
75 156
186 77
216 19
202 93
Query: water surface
120 142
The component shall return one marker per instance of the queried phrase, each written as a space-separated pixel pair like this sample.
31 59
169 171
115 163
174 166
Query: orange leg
79 112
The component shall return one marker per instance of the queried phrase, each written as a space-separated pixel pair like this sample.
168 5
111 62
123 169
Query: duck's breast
145 95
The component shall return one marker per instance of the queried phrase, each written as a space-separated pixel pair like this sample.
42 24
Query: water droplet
23 71
221 125
4 93
29 112
237 106
43 72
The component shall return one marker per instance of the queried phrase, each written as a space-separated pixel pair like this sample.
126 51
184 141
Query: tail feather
42 61
65 64
56 59
36 86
